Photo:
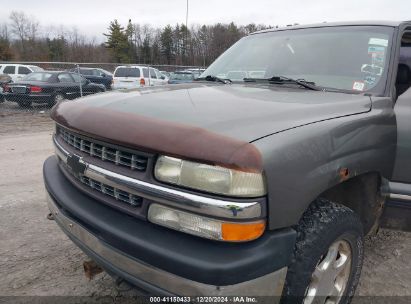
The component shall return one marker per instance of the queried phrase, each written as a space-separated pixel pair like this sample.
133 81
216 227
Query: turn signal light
142 82
35 89
240 232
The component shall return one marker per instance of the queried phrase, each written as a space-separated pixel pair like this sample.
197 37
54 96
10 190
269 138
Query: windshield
106 72
127 72
347 58
44 77
182 76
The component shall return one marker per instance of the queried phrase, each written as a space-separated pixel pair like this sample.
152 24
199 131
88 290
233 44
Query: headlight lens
204 226
214 179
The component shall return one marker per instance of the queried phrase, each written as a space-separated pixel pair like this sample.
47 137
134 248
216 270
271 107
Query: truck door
397 212
402 168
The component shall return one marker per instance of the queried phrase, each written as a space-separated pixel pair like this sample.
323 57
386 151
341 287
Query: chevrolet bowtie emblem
76 165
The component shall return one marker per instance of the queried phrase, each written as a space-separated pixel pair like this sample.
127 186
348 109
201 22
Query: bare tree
24 28
4 31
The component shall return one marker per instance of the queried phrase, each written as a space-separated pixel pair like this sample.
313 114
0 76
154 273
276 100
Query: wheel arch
362 194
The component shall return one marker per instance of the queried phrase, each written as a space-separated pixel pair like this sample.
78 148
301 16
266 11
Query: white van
18 71
135 76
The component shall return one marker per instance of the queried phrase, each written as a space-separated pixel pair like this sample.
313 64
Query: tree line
22 38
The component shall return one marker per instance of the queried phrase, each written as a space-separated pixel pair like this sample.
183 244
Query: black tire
322 224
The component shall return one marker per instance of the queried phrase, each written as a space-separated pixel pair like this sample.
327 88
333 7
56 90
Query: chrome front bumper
267 285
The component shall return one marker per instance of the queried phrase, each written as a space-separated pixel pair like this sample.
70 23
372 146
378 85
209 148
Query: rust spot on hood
158 136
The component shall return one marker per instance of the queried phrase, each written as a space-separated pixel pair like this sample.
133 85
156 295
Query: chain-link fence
37 86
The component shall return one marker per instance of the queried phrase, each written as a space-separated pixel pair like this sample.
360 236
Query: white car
135 76
18 71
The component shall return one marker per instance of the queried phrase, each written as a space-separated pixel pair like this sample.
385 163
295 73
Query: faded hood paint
209 122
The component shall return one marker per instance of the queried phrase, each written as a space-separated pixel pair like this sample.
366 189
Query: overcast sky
92 17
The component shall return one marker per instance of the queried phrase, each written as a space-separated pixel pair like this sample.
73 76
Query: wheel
57 98
328 256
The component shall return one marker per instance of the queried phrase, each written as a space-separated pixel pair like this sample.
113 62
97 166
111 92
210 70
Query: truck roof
331 24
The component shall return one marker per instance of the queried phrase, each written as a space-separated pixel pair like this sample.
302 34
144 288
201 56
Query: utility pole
80 84
185 51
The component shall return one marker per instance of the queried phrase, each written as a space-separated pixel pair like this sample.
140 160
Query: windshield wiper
282 79
215 78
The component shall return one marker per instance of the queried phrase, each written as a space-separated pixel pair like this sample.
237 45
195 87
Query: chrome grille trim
119 195
117 156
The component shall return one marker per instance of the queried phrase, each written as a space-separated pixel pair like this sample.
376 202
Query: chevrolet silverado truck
261 178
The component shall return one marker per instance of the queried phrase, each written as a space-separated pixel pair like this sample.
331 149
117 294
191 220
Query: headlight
214 179
205 227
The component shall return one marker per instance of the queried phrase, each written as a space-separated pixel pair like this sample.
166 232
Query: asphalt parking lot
37 259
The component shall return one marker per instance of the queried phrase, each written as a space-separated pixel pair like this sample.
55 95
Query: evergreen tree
118 43
57 47
166 41
146 50
5 51
130 30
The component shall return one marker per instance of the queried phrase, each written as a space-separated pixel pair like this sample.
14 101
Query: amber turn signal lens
240 232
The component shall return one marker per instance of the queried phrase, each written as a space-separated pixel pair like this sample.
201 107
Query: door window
403 80
78 78
65 78
23 70
153 74
86 72
145 72
158 74
98 73
9 69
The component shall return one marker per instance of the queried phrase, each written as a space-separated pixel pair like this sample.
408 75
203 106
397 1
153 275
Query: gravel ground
37 259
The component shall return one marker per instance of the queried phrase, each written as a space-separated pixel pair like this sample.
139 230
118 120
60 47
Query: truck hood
240 113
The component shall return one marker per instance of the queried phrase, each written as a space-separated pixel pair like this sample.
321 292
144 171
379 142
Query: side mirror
163 77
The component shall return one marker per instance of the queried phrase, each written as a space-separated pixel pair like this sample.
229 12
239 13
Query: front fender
301 163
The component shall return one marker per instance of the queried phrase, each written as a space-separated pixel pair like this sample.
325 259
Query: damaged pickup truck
260 178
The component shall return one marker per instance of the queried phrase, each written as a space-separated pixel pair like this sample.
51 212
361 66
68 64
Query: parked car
18 71
157 78
196 72
135 76
50 87
96 75
166 74
263 186
4 80
181 77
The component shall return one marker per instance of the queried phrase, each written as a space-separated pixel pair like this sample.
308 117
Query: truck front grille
118 156
117 194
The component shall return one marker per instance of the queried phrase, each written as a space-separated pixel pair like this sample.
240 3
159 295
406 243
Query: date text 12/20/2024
204 299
